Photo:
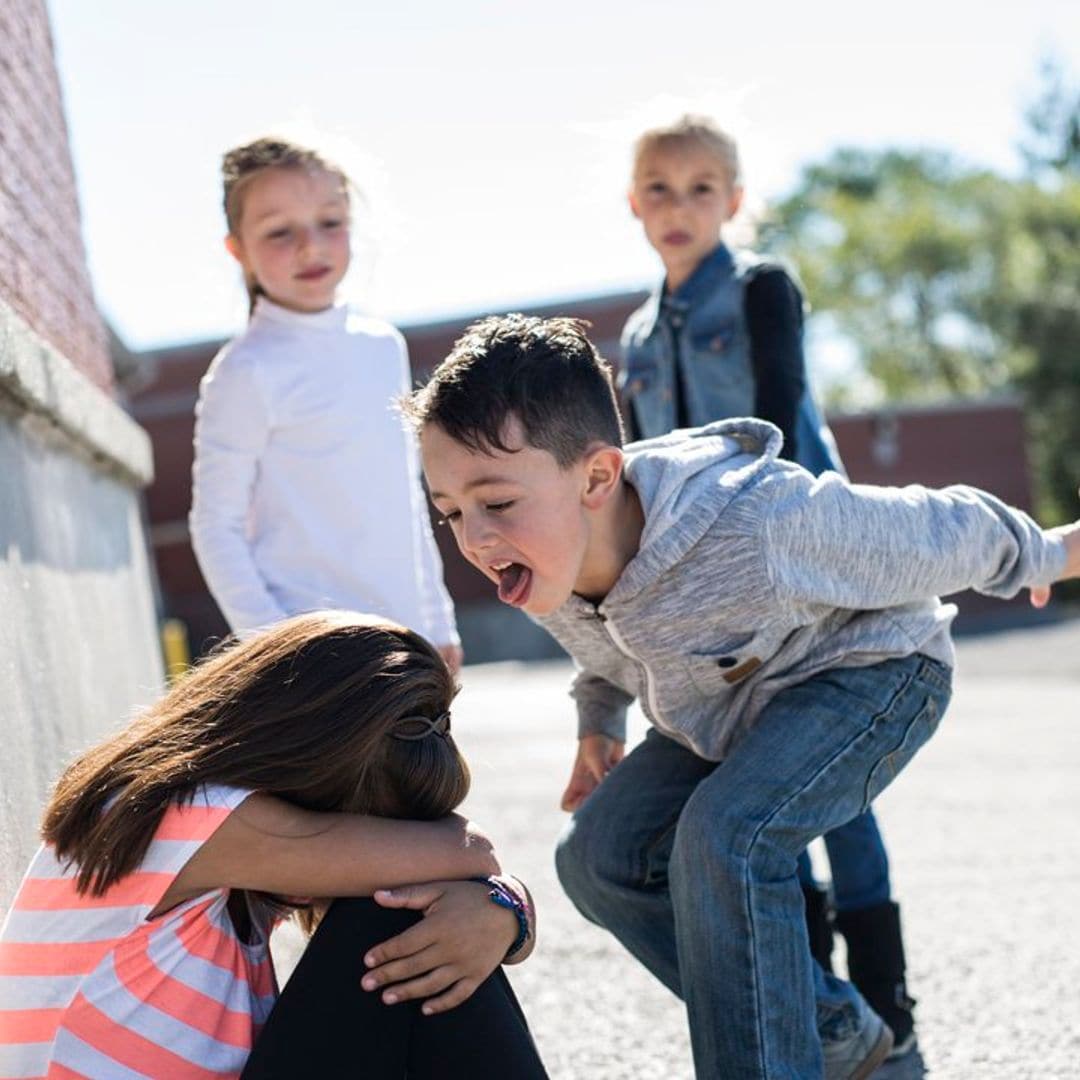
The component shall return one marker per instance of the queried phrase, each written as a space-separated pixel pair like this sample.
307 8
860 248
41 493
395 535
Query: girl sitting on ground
310 764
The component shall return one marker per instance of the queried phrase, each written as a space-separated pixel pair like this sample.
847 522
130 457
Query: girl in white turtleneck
306 488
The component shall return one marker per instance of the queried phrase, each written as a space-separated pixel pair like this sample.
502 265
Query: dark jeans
324 1024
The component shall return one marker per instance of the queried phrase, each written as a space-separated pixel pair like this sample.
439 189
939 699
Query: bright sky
491 138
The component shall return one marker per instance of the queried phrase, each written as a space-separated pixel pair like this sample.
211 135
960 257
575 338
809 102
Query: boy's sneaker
856 1056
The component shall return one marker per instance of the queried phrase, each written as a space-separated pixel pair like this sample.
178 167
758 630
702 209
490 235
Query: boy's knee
588 859
713 832
734 846
572 861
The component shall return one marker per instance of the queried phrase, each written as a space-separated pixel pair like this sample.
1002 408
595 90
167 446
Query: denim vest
703 330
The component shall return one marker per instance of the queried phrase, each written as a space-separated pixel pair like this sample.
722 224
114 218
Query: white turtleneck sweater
306 485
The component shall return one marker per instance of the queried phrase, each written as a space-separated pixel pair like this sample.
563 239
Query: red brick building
979 443
43 275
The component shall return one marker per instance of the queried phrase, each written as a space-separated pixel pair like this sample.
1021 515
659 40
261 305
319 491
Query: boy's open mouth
515 582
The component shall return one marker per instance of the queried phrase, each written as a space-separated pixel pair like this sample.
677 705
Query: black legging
325 1025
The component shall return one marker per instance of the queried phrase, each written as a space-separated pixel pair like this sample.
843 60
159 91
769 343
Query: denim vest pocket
915 734
639 374
646 389
721 383
723 666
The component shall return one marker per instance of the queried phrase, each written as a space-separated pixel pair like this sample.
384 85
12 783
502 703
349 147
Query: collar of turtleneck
331 318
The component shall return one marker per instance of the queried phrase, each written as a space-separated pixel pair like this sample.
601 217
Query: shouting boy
782 633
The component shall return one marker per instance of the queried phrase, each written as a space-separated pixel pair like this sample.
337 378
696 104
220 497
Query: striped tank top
92 988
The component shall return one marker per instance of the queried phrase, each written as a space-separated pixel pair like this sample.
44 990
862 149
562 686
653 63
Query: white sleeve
438 607
232 426
440 627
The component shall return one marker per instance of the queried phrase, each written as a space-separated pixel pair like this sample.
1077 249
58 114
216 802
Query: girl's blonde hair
691 128
241 165
331 711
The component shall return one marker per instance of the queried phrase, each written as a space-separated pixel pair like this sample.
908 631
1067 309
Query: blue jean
859 864
692 864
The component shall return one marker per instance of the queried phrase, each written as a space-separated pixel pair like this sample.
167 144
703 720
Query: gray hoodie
753 576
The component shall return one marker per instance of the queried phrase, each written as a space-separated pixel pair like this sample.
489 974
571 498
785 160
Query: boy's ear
634 208
603 475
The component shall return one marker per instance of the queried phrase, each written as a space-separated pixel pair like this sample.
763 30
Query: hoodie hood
685 480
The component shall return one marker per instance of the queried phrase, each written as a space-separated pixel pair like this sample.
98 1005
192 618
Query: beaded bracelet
503 894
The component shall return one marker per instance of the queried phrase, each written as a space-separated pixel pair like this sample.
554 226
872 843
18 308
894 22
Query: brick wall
43 274
78 625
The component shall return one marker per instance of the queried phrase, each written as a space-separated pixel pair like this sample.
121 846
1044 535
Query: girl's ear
735 200
632 200
603 474
232 246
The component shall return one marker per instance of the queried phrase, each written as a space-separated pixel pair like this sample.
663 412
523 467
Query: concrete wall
78 628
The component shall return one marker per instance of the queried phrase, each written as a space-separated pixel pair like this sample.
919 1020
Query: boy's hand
461 940
1040 595
597 755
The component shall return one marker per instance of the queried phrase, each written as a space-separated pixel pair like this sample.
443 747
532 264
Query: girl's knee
359 919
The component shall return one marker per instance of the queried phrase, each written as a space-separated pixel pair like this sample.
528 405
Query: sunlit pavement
982 831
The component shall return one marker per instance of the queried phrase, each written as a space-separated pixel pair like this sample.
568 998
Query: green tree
1052 140
955 281
909 253
1046 311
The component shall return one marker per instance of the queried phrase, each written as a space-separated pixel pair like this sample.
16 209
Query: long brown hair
304 711
242 164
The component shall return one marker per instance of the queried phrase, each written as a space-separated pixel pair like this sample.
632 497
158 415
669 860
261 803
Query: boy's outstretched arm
842 545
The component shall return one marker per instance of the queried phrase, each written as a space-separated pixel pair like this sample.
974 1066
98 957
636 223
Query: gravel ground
982 836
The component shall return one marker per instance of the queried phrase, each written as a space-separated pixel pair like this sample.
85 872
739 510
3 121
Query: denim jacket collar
717 266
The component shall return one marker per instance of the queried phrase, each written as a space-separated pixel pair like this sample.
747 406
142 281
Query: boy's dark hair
545 372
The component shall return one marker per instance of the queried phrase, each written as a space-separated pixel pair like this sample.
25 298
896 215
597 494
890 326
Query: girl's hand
453 656
597 755
461 940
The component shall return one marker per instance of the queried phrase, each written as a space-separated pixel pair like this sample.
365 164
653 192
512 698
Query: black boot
876 965
819 925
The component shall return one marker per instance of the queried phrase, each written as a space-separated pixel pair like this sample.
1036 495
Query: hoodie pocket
723 666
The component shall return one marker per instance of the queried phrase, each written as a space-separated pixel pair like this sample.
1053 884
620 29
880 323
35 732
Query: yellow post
174 645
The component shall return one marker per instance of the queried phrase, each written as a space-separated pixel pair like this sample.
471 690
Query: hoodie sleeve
601 706
862 547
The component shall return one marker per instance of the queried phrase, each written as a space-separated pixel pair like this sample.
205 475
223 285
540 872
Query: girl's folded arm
269 845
